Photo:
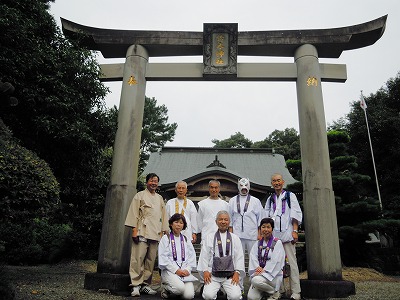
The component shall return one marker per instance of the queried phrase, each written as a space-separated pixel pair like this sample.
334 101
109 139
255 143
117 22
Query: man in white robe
287 215
246 213
209 249
208 209
184 206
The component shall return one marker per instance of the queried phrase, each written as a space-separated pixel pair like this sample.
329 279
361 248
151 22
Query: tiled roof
180 163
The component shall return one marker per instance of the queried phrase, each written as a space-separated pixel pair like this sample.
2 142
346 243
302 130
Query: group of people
268 234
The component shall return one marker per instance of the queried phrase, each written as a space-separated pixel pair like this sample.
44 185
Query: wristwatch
295 230
237 271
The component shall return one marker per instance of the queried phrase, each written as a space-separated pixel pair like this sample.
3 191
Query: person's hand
207 277
194 238
295 237
182 273
258 270
135 239
235 278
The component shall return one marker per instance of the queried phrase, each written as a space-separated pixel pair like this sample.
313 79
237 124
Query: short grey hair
214 180
181 181
222 212
276 174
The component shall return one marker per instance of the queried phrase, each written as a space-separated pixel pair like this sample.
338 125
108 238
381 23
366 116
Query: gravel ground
64 281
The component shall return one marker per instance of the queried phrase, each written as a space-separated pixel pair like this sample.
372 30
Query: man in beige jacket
148 219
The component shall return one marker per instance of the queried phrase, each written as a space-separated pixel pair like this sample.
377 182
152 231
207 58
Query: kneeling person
267 258
221 261
176 260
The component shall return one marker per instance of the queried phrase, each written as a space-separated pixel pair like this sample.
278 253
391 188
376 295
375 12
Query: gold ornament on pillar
132 80
312 81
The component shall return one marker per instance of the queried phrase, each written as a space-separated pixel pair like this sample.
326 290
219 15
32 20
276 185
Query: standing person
176 260
208 209
266 260
215 273
245 212
186 207
283 207
148 218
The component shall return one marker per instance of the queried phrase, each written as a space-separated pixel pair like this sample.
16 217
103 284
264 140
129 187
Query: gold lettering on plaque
220 50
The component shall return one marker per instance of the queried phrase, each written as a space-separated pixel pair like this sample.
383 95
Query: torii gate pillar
323 254
115 246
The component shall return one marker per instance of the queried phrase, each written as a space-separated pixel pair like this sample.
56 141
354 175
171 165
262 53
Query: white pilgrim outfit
245 218
169 264
208 250
271 279
208 209
187 209
282 215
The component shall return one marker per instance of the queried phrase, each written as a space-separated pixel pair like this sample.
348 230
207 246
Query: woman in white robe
176 260
266 261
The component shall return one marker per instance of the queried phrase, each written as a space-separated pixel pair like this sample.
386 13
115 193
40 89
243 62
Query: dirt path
64 281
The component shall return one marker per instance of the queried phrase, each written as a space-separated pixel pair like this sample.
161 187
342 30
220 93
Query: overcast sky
216 110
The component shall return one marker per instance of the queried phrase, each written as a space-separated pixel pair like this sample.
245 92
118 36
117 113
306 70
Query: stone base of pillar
323 289
117 284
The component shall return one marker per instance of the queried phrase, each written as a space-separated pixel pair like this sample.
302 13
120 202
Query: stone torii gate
220 45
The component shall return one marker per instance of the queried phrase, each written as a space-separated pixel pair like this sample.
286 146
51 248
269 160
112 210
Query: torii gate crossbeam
245 72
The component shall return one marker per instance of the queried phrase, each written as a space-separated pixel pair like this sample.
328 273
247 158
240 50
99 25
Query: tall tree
156 131
61 114
384 124
237 140
353 204
285 142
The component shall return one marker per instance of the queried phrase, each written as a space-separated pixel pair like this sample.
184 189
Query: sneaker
274 296
135 291
164 293
145 289
295 296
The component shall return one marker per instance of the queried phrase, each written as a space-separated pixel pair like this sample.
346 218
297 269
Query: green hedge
34 243
28 187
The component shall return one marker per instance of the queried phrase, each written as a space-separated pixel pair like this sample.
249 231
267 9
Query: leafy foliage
360 208
62 118
384 124
28 187
285 142
237 140
156 131
61 114
33 242
294 167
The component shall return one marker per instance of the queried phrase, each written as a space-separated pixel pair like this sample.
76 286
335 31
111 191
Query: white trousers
176 286
246 244
260 286
210 290
290 251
